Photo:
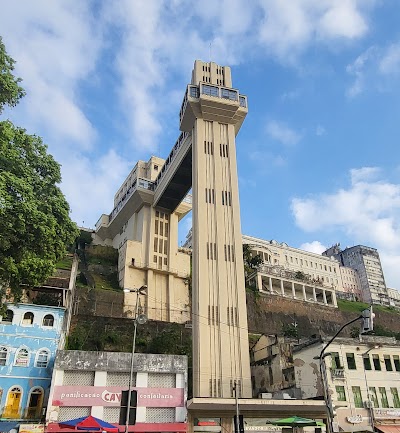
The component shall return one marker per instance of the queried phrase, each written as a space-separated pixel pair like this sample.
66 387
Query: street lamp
367 317
138 319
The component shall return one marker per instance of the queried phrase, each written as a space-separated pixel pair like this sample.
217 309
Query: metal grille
71 412
160 414
78 378
161 380
120 379
111 414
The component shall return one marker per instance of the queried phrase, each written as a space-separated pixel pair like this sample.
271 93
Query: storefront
90 383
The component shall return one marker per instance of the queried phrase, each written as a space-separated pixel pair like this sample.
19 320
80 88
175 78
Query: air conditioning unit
266 395
368 404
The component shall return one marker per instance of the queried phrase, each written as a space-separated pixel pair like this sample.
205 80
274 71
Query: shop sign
111 396
355 419
264 428
387 413
31 428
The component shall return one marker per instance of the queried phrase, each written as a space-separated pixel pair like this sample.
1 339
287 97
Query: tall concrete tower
212 112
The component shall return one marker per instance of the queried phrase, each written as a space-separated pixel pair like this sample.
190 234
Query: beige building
146 237
294 273
362 381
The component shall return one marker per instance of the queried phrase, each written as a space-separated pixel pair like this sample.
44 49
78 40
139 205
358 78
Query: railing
140 183
171 156
337 373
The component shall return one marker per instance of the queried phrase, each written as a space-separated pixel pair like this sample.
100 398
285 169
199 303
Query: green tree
250 262
10 91
35 227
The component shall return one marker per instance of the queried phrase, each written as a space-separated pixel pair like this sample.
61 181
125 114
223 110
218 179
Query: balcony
337 373
212 102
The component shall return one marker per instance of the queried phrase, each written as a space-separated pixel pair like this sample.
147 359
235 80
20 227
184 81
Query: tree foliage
10 90
250 262
35 226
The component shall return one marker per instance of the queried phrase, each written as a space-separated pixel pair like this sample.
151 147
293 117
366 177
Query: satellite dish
141 319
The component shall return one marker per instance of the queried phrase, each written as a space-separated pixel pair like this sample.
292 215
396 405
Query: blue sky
318 155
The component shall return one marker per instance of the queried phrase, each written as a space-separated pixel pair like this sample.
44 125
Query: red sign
111 396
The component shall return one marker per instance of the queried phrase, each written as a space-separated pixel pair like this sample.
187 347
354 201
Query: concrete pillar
314 294
270 284
282 288
293 290
304 292
259 282
334 299
324 297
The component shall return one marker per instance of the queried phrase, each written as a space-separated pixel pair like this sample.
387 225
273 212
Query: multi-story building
361 380
394 297
90 383
29 338
293 273
147 241
366 261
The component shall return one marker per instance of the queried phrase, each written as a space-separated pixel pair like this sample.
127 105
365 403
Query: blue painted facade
29 338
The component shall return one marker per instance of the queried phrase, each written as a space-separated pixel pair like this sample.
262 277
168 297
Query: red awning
390 428
137 428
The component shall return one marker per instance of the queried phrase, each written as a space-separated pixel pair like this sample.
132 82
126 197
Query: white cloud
52 59
313 247
368 212
320 130
390 61
91 184
279 131
374 68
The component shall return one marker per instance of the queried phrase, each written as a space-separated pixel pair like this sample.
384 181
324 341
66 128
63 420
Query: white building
362 381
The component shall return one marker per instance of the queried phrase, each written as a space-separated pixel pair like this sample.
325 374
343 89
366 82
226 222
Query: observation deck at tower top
209 102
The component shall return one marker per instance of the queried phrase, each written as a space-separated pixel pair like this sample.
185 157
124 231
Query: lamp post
367 317
141 320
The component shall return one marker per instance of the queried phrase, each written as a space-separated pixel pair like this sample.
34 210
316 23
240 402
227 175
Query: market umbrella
90 423
295 421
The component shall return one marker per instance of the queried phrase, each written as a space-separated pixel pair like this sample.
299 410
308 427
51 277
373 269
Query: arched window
35 402
3 356
22 358
8 317
42 358
48 320
28 318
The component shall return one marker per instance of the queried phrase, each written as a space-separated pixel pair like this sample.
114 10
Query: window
22 358
384 400
351 362
396 362
155 167
341 394
373 397
42 358
357 396
395 397
229 94
3 355
210 90
367 362
194 92
336 364
28 318
242 101
388 363
8 317
376 361
48 320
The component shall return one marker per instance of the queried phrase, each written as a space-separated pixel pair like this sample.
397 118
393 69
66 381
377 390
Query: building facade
146 237
361 381
29 338
90 383
294 273
367 263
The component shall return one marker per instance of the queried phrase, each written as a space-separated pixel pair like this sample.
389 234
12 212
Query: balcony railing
337 373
